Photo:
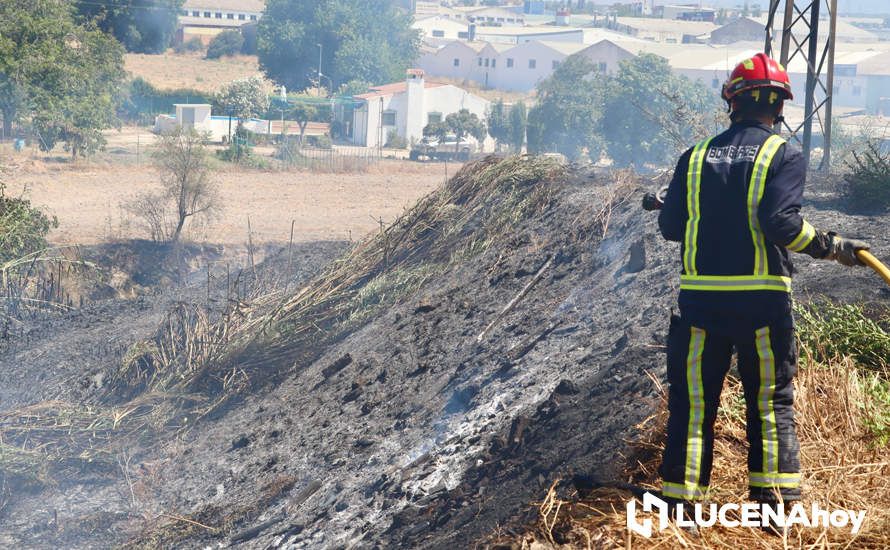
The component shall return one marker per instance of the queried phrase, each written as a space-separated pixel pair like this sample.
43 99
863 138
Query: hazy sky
843 6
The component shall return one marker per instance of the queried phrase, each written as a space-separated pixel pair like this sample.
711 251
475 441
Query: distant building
692 12
464 61
442 27
485 16
658 30
518 35
406 107
198 116
738 30
518 67
204 19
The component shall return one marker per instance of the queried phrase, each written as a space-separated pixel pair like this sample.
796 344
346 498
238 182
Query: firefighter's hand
651 202
844 250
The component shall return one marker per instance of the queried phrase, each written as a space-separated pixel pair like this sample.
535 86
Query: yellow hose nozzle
872 262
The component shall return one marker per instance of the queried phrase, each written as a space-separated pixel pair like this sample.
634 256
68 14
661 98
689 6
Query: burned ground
420 392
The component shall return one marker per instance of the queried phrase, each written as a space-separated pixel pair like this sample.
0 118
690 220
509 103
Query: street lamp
318 89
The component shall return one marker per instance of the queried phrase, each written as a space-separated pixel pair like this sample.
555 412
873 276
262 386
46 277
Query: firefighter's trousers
698 361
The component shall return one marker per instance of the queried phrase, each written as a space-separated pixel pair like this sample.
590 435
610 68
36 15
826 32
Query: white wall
443 100
608 53
441 63
520 77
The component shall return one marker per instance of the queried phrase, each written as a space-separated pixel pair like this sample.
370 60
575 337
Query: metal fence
336 158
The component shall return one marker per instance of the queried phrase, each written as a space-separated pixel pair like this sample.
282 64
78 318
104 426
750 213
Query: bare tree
181 158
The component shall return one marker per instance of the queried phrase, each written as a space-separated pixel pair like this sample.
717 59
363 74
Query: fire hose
654 201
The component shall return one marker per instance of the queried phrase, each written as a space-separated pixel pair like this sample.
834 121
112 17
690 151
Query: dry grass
170 71
844 466
86 199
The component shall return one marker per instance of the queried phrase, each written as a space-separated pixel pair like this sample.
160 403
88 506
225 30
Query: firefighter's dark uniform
734 204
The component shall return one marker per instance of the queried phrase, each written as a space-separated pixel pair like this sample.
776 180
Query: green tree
436 129
651 115
566 117
23 228
464 123
12 101
143 26
62 77
226 43
499 123
368 40
243 98
518 124
304 113
534 131
248 31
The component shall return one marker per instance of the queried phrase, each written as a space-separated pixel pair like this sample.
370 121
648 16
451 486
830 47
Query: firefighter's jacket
734 205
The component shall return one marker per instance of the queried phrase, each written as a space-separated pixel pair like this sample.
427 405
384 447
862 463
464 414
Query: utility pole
800 29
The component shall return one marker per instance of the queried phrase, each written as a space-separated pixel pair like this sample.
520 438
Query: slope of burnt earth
523 351
420 392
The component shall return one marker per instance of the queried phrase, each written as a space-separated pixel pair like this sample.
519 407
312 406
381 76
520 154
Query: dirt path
88 199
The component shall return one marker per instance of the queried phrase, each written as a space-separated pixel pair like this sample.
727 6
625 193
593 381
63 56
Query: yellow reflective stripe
765 393
803 239
693 207
685 492
755 194
695 431
782 480
735 282
779 484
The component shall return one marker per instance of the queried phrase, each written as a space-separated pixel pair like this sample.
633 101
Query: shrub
288 149
868 183
225 43
187 188
395 141
23 228
189 46
319 142
140 101
831 331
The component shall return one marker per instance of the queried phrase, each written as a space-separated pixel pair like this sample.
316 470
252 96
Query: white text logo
750 514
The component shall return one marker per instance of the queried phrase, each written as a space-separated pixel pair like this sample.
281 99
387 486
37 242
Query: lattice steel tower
801 37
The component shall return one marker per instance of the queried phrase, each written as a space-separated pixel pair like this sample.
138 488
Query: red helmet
760 71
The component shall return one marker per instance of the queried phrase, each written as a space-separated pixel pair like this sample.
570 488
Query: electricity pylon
801 37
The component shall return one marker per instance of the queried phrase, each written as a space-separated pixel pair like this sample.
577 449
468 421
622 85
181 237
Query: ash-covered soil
51 354
498 337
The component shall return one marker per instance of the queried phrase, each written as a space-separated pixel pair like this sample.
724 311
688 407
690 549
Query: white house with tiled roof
407 107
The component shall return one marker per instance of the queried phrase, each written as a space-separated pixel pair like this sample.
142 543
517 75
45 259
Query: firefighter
734 205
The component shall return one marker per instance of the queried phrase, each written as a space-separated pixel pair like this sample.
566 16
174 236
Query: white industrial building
204 19
515 68
407 107
437 26
518 35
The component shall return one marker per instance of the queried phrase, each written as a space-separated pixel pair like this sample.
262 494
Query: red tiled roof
394 88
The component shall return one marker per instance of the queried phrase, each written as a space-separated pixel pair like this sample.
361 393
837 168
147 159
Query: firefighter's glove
651 202
844 250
